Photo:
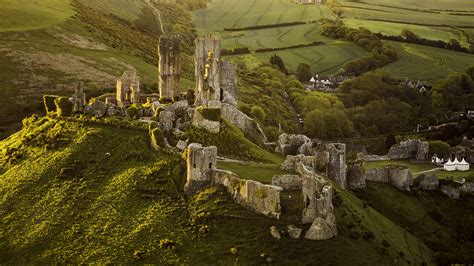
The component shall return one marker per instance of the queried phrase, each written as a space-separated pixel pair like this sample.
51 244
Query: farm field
427 63
325 59
436 20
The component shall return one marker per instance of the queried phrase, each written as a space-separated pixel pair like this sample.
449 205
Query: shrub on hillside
439 148
63 106
258 113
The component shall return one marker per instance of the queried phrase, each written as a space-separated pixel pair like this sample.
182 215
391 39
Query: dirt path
158 14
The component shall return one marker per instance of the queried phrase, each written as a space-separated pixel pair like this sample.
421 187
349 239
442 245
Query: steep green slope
76 193
444 224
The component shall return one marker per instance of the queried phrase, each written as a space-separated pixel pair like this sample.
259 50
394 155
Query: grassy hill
72 194
47 47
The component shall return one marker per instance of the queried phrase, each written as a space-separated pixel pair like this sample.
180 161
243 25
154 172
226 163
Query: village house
327 84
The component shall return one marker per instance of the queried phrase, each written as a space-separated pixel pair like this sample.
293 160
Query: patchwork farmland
434 21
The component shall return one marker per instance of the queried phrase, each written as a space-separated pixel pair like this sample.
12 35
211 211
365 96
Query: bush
63 106
49 104
213 114
245 108
157 138
258 113
439 148
132 112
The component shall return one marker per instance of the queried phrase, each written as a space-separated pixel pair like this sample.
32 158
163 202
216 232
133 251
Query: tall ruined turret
207 63
169 66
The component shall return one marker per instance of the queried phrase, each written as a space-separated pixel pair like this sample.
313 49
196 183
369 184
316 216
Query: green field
435 20
427 63
324 59
18 15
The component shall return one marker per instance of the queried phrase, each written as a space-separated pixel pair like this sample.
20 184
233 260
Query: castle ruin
78 99
207 70
169 66
128 89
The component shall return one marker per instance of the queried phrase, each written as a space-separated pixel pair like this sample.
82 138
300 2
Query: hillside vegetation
70 188
49 46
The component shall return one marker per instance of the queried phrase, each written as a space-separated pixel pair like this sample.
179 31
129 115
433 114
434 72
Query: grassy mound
96 194
231 142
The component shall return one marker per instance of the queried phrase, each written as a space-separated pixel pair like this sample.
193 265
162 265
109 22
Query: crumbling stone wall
336 169
318 208
248 125
169 66
200 161
410 149
288 182
288 144
228 80
356 174
399 177
292 161
261 198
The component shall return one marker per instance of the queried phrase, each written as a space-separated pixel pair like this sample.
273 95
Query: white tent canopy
463 166
449 166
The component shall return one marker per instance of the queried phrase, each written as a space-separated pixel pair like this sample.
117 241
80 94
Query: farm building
328 84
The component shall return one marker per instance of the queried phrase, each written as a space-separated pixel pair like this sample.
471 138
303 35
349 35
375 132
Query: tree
390 141
304 72
409 36
470 70
439 148
275 60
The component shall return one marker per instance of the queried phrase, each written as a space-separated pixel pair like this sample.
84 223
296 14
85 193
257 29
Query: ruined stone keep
169 66
128 89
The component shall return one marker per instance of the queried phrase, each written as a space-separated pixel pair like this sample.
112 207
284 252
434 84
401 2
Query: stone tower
207 70
169 66
128 89
201 161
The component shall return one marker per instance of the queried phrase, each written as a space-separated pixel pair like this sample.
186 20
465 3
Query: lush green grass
324 59
18 15
254 171
442 223
94 194
232 143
